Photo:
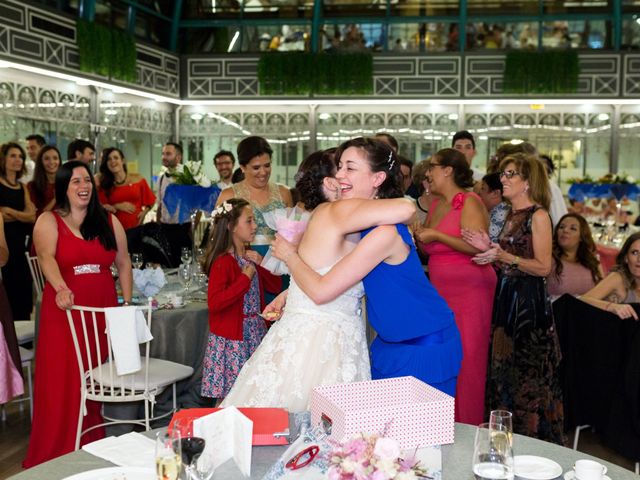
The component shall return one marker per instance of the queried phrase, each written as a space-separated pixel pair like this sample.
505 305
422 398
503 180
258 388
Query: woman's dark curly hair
40 181
622 267
107 179
311 174
381 158
586 254
462 173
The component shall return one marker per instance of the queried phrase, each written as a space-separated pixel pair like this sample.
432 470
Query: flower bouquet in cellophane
291 224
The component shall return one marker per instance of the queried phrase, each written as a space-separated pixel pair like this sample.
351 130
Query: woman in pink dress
468 288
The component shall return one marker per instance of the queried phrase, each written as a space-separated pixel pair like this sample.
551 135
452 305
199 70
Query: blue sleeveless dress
417 333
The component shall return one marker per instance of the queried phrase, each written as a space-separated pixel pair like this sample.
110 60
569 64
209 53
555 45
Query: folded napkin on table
128 450
127 328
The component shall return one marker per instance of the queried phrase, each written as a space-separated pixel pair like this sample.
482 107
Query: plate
570 475
116 473
536 468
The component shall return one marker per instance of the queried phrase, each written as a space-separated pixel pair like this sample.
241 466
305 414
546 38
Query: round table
456 460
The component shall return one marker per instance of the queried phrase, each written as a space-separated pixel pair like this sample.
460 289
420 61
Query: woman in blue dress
416 331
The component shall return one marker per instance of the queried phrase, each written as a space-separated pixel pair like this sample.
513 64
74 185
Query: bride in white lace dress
311 344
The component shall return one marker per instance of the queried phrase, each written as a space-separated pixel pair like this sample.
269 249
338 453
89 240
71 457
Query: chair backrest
36 273
94 354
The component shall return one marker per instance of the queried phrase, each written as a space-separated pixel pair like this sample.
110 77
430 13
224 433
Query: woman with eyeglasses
466 287
525 353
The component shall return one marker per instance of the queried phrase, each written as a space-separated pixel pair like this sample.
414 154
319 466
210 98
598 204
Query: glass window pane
423 37
353 37
347 8
420 8
281 38
577 34
577 6
502 7
631 33
631 6
280 9
484 36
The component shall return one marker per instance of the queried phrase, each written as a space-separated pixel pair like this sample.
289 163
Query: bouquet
372 457
149 281
192 173
291 224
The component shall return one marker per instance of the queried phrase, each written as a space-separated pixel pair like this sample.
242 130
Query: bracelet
515 261
125 304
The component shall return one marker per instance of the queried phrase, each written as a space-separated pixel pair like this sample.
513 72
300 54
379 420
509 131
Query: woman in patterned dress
524 354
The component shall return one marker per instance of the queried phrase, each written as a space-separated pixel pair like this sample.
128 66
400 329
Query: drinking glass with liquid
168 456
492 453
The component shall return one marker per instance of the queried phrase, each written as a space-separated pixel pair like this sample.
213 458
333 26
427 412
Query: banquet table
456 460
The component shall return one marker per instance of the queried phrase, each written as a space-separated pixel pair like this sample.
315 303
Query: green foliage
552 71
300 73
107 52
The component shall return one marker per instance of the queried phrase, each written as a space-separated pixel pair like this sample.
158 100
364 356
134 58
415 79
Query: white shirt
27 177
222 185
558 206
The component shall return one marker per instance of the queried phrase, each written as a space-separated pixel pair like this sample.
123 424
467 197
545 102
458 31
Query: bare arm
225 195
4 250
123 262
45 239
613 284
285 193
370 251
354 215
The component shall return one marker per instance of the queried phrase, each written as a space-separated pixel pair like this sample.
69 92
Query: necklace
13 184
124 180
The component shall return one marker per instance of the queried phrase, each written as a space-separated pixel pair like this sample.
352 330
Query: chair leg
637 468
80 415
146 415
4 413
30 382
175 404
576 436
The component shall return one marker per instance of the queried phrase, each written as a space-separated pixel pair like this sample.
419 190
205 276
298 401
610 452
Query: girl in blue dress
416 331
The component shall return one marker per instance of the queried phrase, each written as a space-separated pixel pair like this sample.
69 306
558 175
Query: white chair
36 273
26 357
25 331
100 382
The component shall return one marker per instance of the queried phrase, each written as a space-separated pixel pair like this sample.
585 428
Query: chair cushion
25 330
26 355
161 374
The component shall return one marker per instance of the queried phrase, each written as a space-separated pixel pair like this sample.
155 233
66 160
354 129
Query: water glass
202 467
185 255
184 274
492 453
136 260
168 456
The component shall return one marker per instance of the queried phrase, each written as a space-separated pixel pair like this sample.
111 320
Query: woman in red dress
42 187
76 244
466 287
124 194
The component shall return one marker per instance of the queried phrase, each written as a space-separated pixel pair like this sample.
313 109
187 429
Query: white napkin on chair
127 328
128 450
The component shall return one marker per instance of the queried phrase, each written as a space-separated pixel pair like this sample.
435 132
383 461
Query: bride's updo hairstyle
381 159
311 173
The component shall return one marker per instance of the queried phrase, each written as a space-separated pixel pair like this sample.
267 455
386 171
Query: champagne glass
185 255
168 456
202 467
136 260
184 273
492 453
502 418
200 254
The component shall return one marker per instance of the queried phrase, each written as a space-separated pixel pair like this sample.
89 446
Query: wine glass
202 467
184 273
492 453
185 255
502 418
200 254
191 445
168 456
136 260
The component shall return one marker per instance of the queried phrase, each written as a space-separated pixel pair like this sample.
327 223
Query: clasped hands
491 252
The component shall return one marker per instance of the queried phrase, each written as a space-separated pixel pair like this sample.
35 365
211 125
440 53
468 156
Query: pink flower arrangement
372 457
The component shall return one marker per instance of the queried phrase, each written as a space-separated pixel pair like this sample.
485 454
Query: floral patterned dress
224 357
524 354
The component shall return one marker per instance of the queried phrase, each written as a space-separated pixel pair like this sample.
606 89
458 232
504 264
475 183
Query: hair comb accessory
221 210
391 161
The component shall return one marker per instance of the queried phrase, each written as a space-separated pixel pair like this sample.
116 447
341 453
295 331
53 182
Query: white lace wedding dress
310 345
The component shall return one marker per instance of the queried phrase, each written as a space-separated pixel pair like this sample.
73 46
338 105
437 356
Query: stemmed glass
168 456
185 255
502 419
184 273
202 467
192 447
492 453
136 260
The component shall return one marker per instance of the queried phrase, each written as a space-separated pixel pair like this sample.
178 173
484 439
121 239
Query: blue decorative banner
581 191
186 198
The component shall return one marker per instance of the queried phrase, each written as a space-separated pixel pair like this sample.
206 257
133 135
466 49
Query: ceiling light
324 116
233 41
603 117
197 116
516 141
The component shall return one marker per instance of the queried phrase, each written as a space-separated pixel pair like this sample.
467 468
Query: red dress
468 289
137 193
56 402
49 194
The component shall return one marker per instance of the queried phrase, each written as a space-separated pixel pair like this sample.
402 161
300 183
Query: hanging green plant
107 52
300 73
551 71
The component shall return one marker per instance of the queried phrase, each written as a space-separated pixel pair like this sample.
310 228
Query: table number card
227 434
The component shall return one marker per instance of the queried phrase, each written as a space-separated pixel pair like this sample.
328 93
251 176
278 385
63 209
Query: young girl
235 296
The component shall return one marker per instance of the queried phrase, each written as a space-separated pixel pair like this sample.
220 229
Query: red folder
270 425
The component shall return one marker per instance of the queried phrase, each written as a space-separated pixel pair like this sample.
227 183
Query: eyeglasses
509 174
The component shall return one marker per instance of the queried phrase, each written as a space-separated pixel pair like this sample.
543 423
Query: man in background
464 142
34 143
224 162
82 150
